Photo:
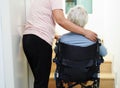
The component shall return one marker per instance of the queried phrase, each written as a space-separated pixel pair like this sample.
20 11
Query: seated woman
79 16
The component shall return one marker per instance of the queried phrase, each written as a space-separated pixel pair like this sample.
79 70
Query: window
86 3
69 4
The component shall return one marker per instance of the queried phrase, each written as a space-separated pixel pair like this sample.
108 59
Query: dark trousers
38 53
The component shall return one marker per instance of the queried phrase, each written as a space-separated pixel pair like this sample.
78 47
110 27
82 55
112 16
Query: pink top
40 19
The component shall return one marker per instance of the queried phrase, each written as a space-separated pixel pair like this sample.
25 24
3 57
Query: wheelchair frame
60 83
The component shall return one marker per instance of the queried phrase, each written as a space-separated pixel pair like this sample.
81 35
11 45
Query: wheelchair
77 65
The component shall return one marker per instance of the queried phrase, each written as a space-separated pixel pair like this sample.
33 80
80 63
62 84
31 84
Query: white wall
96 19
6 46
15 67
2 81
112 30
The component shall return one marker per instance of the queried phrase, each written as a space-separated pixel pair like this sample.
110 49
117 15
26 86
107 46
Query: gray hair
78 15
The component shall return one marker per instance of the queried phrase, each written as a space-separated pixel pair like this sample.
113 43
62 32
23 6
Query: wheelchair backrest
78 53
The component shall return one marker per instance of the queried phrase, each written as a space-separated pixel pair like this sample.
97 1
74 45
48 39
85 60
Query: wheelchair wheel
87 87
59 85
96 83
90 87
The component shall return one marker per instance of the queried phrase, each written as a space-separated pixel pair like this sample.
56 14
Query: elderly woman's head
78 15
